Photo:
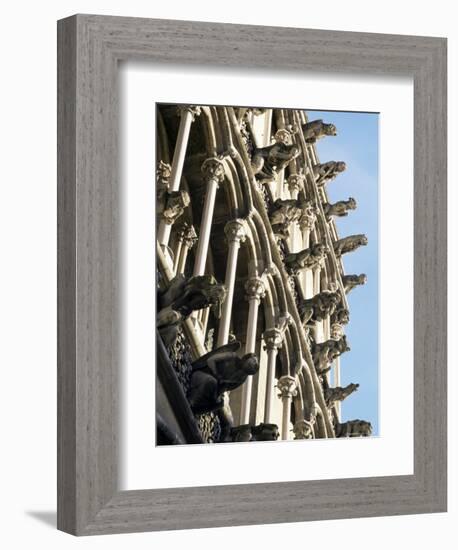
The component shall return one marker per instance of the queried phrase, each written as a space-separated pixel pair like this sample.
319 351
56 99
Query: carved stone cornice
235 231
287 386
255 288
213 170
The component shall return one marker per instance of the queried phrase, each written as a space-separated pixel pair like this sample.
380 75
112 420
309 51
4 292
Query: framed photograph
251 275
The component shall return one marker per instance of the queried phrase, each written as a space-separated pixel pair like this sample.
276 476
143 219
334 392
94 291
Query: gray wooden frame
89 48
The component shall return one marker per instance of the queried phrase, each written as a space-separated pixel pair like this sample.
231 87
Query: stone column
295 183
273 339
187 237
235 234
306 224
213 171
255 291
187 114
337 332
287 386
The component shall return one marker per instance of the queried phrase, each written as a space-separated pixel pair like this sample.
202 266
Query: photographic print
267 252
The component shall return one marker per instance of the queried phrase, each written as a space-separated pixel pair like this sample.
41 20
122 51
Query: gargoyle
340 316
339 208
286 211
352 281
217 372
326 172
241 434
349 244
268 161
339 393
184 296
188 295
305 259
353 428
265 432
316 129
319 307
325 352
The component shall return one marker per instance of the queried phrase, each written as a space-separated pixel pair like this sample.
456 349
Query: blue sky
356 143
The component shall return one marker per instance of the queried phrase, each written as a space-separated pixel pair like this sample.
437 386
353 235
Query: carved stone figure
241 434
352 281
353 428
325 352
182 298
286 211
339 393
163 173
265 432
339 208
316 129
319 307
305 259
349 244
174 205
303 429
326 172
268 161
341 315
217 372
186 296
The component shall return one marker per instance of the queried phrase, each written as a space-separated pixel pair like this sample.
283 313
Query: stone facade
252 301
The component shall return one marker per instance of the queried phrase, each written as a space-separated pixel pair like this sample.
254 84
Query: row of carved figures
222 370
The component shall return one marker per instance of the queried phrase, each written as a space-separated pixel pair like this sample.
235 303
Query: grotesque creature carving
338 393
316 129
305 259
303 429
319 307
353 428
286 211
217 372
268 161
163 173
352 281
339 208
325 352
326 172
349 244
185 296
241 434
174 205
265 432
341 315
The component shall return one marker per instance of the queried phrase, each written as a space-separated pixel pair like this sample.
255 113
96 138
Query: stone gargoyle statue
217 372
316 129
353 428
339 208
305 259
325 352
319 307
241 434
341 315
349 244
339 393
326 172
182 297
352 281
286 211
265 432
268 161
